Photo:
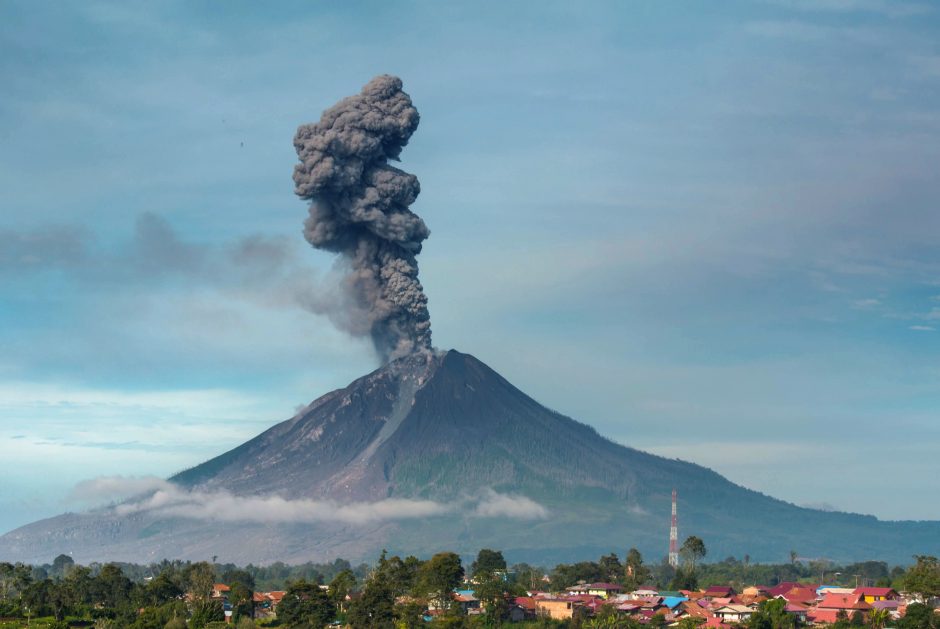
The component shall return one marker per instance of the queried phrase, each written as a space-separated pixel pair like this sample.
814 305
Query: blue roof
674 601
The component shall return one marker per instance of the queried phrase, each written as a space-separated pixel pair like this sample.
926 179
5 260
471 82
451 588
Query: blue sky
707 229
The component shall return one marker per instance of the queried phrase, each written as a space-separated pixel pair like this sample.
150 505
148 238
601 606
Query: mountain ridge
443 427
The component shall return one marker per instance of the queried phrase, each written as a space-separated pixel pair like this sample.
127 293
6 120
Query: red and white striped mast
674 536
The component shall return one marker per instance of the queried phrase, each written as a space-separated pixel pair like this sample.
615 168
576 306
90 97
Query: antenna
674 535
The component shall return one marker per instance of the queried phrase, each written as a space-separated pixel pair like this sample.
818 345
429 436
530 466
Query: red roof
843 601
828 616
719 590
875 591
526 602
798 595
785 586
221 587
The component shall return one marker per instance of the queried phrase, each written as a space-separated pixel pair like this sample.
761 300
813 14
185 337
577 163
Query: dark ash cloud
359 209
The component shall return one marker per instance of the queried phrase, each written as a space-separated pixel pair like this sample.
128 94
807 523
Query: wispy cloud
922 328
155 495
494 505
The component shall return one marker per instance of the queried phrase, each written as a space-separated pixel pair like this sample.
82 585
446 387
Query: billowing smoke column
359 209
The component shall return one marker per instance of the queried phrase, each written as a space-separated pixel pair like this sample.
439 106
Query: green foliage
566 575
438 577
375 608
61 565
341 585
771 614
305 604
199 579
409 616
693 550
919 616
158 617
204 612
684 579
611 569
636 574
487 562
399 575
923 577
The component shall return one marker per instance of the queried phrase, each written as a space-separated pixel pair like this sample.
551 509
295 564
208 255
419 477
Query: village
712 607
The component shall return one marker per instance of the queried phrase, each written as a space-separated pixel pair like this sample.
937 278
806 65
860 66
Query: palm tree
877 618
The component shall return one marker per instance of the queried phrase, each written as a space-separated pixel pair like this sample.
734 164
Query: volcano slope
505 472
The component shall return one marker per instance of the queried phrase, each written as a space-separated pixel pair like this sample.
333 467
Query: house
526 604
799 595
722 591
714 622
786 586
467 602
798 610
220 590
673 602
733 613
555 608
275 597
870 595
829 608
603 590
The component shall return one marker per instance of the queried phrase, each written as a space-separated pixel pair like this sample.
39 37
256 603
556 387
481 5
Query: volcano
445 429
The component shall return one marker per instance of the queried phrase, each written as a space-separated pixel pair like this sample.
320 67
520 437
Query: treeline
394 592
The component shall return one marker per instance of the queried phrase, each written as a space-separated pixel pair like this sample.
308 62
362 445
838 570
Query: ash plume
359 209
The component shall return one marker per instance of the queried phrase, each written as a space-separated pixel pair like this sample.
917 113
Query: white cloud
510 506
110 488
922 328
223 506
155 495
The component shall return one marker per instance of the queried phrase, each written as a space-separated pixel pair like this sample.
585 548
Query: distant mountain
448 429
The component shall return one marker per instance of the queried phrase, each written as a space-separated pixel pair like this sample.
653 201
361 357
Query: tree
439 576
919 616
772 614
878 618
62 564
206 611
400 576
693 549
923 578
305 604
487 562
111 589
374 609
341 585
636 573
611 568
162 589
683 580
200 579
